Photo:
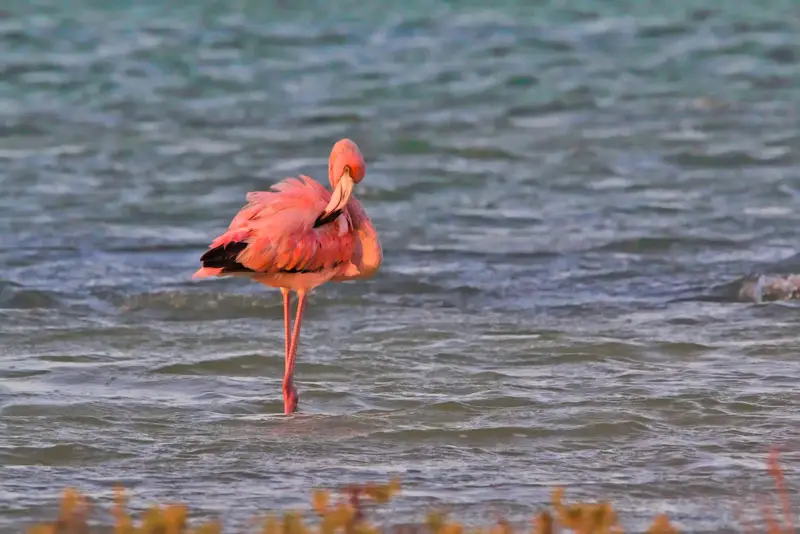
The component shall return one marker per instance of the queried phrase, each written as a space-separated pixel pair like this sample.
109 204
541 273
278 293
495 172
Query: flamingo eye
348 170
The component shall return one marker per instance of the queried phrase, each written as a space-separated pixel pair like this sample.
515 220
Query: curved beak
340 197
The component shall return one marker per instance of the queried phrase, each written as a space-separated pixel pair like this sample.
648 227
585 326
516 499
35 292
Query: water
561 192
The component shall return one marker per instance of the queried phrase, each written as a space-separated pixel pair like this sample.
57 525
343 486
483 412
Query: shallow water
563 195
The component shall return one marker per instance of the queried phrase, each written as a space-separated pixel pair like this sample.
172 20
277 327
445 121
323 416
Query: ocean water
568 196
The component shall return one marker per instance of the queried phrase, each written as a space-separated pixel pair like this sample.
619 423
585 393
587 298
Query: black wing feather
224 257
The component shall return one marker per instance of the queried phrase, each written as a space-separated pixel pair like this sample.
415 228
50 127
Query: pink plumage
273 238
296 237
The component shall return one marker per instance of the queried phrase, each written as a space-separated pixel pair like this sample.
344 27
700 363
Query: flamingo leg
290 396
287 320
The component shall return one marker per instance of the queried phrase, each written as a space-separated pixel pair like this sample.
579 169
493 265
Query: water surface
558 191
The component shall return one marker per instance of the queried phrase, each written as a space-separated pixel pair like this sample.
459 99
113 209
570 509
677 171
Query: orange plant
348 515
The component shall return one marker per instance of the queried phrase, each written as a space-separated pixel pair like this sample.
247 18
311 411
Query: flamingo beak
341 195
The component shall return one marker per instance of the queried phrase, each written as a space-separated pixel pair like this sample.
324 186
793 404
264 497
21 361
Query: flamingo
296 237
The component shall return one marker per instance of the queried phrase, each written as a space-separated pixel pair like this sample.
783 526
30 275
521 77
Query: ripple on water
16 296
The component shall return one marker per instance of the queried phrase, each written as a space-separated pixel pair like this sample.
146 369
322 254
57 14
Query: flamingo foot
290 398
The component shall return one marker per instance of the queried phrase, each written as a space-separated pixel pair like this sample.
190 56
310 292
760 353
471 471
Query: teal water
568 195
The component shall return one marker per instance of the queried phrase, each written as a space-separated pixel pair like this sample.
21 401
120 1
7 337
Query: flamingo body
274 241
298 236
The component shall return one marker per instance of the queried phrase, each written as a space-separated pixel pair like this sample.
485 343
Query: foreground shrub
348 515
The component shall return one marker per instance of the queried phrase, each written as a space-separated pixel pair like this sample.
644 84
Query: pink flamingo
298 236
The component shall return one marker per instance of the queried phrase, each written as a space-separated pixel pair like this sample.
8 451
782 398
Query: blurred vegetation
348 515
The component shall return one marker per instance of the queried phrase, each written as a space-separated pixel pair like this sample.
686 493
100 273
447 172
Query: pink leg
290 396
287 320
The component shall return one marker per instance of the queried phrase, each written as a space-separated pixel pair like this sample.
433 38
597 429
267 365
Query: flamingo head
346 160
346 168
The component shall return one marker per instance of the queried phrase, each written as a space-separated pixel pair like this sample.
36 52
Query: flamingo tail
207 272
222 260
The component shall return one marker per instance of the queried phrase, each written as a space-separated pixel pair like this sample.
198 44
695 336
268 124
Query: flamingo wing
274 233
